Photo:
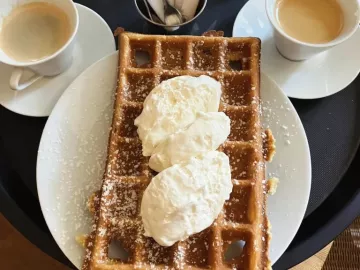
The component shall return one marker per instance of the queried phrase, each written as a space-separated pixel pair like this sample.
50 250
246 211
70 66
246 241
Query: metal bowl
141 8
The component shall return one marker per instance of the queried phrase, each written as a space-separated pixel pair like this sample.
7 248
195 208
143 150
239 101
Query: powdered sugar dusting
273 111
72 156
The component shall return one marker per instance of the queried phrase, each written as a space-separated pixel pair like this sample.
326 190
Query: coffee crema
311 21
34 31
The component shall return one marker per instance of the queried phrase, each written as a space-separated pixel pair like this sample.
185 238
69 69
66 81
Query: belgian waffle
234 62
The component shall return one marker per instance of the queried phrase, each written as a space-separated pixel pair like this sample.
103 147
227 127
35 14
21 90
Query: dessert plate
320 76
94 40
73 149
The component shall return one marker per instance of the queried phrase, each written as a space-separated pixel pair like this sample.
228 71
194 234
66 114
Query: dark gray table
332 126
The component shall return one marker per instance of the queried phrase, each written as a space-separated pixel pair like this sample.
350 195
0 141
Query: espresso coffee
34 31
311 21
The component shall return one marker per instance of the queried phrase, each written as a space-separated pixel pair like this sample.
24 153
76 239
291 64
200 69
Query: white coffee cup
53 64
296 50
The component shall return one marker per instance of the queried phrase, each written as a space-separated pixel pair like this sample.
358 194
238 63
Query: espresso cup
50 65
296 50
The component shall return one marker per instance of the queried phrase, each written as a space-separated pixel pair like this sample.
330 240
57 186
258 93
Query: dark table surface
332 126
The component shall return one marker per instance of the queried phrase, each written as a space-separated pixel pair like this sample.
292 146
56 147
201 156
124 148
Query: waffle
234 62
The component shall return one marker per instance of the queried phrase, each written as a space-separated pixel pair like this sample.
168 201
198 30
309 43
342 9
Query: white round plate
73 146
94 40
320 76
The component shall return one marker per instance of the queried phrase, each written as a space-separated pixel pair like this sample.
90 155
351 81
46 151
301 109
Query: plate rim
46 127
308 153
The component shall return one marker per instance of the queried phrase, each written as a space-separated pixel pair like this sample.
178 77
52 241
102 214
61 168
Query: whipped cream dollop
186 198
173 105
205 134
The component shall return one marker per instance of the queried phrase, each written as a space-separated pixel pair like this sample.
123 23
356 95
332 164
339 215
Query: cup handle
15 83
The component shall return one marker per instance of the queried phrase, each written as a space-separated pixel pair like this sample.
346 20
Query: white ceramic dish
94 40
320 76
72 154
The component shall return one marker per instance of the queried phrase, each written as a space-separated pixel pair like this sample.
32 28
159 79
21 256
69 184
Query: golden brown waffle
234 62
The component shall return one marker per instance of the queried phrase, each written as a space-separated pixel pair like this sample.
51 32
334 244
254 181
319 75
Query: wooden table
316 262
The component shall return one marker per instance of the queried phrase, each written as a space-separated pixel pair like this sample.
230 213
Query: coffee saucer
320 76
94 40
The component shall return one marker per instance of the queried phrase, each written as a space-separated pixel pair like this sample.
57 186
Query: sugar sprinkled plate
73 146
